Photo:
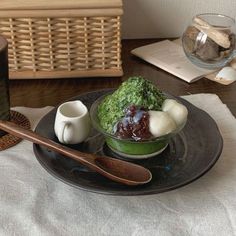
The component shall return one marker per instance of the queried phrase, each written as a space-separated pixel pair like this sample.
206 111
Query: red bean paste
135 124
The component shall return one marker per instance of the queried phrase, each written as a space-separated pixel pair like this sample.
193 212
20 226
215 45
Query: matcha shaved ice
135 91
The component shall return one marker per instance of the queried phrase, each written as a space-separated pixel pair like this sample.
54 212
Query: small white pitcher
72 122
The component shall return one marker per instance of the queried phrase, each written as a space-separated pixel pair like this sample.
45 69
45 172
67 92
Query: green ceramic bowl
130 148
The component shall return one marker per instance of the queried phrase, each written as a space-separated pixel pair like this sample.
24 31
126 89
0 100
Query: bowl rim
97 126
209 14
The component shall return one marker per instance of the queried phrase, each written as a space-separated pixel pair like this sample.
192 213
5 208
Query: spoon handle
16 130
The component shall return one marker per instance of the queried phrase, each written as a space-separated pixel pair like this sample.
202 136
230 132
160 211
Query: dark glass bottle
4 83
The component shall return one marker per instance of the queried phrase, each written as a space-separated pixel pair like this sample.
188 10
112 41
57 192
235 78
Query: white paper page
170 57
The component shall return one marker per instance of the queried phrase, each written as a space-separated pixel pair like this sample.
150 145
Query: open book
170 57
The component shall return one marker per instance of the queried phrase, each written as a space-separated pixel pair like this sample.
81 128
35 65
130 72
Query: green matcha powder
135 91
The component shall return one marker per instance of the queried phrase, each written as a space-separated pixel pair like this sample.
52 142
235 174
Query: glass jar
209 41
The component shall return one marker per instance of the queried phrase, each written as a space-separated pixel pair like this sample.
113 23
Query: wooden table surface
38 93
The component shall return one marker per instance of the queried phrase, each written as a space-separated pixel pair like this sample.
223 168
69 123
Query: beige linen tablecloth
32 202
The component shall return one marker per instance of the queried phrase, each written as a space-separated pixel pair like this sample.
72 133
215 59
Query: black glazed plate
188 156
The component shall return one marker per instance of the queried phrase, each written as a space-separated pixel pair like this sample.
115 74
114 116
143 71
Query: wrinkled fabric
32 202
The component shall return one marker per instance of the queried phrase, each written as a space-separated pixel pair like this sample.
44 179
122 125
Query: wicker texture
63 45
9 140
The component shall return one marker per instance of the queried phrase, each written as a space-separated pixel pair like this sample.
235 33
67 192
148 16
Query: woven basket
62 38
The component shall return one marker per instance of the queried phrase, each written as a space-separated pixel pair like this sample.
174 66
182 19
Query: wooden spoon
218 36
114 169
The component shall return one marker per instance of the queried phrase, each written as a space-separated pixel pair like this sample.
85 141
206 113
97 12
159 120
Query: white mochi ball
177 111
160 123
168 103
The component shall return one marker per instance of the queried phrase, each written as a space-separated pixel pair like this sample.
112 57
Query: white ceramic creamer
72 122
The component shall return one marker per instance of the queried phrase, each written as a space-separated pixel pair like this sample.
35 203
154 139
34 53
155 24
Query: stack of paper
170 57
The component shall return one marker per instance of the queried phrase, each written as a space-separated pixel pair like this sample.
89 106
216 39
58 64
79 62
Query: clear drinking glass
209 41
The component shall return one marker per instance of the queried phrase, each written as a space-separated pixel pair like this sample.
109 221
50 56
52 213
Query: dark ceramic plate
189 155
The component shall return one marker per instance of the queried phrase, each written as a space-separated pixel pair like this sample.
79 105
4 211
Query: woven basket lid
58 4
